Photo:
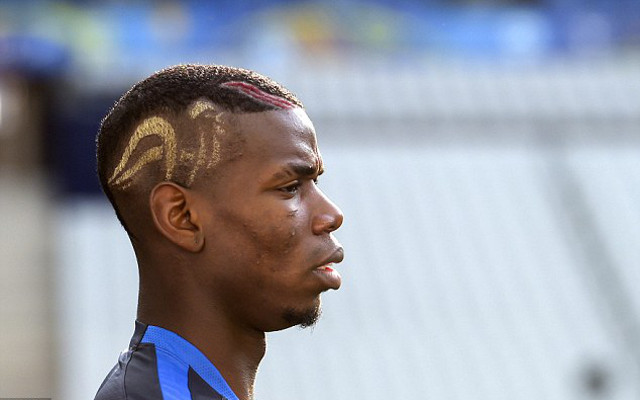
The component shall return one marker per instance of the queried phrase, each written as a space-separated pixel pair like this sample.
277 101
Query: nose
328 216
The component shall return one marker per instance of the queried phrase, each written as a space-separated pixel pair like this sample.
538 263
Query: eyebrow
300 169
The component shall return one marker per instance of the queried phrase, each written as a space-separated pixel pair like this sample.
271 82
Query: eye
291 188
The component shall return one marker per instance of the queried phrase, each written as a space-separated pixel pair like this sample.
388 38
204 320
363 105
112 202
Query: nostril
329 217
327 223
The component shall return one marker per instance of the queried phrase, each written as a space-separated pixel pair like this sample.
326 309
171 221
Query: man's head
212 171
190 105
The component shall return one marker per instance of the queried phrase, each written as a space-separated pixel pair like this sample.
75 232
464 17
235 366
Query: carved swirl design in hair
197 109
167 150
152 126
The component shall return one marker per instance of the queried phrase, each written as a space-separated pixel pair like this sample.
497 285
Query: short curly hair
149 113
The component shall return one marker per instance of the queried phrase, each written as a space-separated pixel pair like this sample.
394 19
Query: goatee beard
304 318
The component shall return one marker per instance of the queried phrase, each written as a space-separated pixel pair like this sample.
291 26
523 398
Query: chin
305 318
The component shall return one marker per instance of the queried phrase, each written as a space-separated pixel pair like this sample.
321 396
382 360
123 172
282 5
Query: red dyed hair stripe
258 94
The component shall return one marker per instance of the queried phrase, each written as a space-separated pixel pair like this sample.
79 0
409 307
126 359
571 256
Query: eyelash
293 187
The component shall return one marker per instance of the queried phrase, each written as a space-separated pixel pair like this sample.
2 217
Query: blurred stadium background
485 153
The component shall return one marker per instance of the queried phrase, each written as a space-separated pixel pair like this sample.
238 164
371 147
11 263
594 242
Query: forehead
278 133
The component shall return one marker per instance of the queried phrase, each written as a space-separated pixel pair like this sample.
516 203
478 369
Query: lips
326 268
329 276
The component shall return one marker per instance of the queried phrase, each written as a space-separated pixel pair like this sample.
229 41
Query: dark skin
225 261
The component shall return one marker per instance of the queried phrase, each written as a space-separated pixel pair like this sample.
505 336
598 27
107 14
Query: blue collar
183 352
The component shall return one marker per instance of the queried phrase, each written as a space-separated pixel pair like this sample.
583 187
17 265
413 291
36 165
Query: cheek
264 237
281 236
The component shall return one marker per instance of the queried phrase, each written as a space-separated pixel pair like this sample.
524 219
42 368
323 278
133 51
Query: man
212 172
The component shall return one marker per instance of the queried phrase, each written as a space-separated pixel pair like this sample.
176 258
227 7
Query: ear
176 217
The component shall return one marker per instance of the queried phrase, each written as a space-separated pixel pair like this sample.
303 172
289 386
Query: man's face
268 226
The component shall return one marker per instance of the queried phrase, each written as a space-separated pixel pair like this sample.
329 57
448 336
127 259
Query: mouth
327 273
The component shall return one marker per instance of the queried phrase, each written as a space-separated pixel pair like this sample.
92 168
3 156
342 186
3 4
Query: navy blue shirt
161 365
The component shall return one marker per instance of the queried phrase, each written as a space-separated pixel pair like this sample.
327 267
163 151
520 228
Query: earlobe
176 217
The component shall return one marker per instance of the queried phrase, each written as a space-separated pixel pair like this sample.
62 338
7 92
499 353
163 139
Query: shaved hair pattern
259 95
153 126
167 151
171 126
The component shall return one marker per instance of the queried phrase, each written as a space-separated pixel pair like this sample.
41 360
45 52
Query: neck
235 351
